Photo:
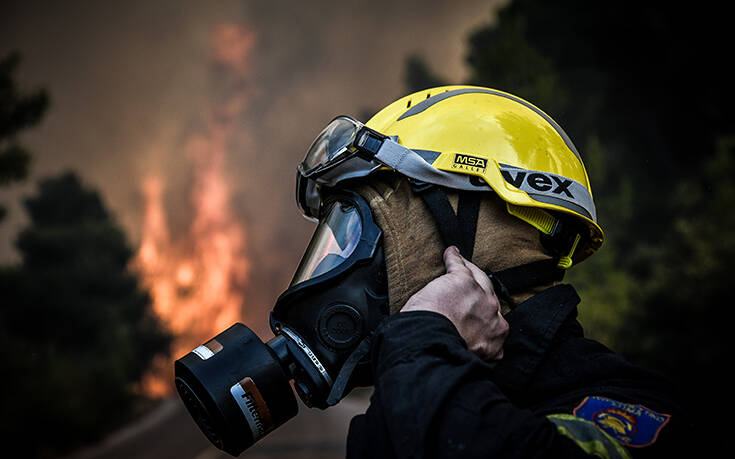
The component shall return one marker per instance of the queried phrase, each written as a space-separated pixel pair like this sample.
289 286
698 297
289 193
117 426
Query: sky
131 82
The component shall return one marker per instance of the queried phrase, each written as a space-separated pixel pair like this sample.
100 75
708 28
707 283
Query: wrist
409 333
447 313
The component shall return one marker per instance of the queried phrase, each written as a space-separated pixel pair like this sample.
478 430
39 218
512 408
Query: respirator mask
238 388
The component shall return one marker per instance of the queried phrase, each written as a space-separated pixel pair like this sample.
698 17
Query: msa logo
469 162
538 181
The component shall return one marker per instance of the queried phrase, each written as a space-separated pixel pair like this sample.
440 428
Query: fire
197 281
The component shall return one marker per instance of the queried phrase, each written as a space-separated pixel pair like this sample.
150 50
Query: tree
76 330
625 74
685 291
18 111
618 77
418 75
644 91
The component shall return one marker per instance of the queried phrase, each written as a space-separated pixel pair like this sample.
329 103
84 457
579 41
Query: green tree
685 290
19 110
76 330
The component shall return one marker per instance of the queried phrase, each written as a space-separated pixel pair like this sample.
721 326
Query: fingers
453 260
481 278
466 297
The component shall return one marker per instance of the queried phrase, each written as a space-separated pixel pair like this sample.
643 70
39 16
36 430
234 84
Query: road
169 432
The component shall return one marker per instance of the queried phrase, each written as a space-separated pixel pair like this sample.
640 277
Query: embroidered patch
631 425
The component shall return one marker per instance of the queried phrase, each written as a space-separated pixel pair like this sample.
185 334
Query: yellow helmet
516 148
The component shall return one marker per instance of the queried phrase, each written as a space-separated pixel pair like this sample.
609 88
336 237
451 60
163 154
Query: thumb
453 260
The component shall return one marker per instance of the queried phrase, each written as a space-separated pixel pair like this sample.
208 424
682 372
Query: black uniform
554 394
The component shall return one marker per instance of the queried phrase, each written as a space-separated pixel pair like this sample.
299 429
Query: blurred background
147 158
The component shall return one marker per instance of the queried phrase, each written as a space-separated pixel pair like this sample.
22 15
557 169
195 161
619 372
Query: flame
197 281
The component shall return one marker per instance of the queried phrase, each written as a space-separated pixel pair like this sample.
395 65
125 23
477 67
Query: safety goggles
346 234
347 149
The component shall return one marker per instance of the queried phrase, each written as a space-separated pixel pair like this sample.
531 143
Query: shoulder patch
632 425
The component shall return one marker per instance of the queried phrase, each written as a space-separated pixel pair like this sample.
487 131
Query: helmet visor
334 240
331 146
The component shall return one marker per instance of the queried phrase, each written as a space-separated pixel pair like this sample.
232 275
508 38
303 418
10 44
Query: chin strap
520 278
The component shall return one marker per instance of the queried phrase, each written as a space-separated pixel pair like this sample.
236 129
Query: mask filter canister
237 388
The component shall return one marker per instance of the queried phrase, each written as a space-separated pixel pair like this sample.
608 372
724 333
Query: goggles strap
411 164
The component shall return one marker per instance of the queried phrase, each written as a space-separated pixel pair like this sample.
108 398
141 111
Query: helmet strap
468 212
520 278
460 230
559 236
457 229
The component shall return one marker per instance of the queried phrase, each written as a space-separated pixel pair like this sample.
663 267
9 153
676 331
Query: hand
465 296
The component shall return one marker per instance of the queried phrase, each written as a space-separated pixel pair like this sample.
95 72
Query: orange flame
196 282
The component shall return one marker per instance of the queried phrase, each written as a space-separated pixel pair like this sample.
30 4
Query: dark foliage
19 110
649 80
418 75
644 90
76 331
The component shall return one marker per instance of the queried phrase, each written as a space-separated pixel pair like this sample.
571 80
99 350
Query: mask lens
331 144
334 240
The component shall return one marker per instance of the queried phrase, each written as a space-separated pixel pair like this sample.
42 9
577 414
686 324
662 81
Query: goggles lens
334 240
331 144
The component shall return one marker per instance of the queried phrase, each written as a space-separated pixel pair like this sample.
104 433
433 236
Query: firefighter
483 203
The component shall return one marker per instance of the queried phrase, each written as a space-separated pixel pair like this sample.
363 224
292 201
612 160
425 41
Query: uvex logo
469 161
538 181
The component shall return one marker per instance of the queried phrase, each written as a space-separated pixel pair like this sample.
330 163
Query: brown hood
413 246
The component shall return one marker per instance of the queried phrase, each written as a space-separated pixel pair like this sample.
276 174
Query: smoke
197 282
132 84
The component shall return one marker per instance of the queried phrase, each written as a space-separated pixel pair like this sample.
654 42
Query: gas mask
238 389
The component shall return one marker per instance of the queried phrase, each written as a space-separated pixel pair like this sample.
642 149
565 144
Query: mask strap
340 384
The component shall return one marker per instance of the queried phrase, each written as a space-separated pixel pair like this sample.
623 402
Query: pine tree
19 110
76 330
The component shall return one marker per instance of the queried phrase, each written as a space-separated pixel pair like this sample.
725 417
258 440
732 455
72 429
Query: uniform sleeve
433 398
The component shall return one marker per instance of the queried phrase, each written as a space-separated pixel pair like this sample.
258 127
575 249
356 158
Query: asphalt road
169 432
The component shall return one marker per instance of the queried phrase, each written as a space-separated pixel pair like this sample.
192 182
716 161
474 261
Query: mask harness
459 229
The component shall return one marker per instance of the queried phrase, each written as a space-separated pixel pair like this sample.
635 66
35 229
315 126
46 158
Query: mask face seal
237 387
